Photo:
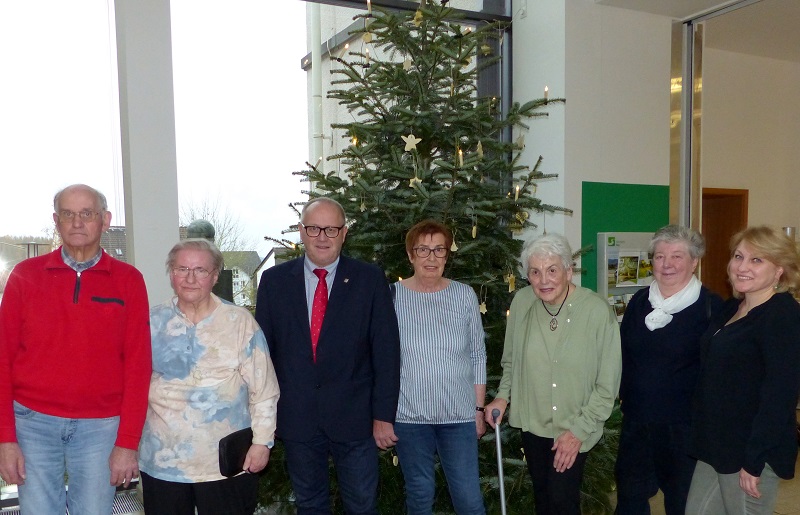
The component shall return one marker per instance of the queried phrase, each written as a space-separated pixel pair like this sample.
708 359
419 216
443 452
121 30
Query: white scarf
664 308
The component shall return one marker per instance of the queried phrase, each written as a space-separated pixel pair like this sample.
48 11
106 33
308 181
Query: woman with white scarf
660 334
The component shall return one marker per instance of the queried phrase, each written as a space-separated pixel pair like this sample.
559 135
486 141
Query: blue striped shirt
443 354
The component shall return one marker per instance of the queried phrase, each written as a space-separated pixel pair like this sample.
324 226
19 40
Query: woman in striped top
442 376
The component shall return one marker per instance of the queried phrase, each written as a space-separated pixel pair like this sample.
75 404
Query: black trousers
653 456
555 493
232 496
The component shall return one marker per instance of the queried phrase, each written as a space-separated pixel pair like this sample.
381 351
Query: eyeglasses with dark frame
424 252
198 273
331 231
87 215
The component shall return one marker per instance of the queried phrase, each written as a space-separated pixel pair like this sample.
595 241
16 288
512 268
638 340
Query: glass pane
57 109
240 115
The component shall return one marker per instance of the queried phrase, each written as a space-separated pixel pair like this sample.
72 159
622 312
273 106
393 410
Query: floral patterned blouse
209 380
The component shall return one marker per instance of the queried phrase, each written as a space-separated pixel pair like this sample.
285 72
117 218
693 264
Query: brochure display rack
623 266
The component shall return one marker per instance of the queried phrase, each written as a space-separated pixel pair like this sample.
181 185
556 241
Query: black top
660 368
744 410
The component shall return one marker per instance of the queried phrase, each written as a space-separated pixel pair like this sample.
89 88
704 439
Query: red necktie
318 309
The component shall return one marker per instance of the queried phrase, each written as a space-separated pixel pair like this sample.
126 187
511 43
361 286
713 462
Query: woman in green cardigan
561 371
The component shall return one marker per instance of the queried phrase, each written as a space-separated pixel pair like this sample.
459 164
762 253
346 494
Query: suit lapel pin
346 279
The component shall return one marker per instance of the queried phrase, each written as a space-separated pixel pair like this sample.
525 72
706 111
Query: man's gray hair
695 242
100 198
196 244
551 244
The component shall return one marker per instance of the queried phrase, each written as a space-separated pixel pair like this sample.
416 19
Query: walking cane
496 418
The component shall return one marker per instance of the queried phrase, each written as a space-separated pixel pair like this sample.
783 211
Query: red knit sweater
75 345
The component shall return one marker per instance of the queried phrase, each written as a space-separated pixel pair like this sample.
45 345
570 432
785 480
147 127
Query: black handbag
233 450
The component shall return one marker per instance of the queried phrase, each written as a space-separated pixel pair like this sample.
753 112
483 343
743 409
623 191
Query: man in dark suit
333 338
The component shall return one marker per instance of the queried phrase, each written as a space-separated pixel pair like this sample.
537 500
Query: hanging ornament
418 18
474 225
454 247
367 37
479 150
486 49
512 282
407 64
363 206
414 180
411 142
520 141
482 306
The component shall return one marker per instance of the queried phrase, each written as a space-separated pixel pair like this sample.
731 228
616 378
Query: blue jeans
457 447
53 446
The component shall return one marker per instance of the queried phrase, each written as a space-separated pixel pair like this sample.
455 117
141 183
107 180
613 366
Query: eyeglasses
424 252
198 273
86 215
331 231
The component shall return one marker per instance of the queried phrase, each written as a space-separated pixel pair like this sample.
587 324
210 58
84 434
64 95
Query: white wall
751 132
612 65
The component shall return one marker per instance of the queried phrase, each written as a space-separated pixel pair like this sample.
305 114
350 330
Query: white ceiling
679 9
767 28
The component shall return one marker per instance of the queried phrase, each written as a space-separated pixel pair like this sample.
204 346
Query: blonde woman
744 410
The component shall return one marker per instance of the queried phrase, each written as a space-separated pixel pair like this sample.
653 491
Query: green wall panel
609 207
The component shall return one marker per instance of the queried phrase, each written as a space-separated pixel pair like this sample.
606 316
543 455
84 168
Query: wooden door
724 214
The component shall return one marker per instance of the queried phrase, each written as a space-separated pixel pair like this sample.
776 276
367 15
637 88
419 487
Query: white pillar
147 119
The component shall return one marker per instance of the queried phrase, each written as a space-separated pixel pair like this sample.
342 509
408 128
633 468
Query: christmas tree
424 143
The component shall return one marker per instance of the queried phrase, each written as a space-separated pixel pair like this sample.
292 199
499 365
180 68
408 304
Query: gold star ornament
411 142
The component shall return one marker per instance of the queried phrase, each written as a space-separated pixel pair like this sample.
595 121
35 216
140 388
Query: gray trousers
716 494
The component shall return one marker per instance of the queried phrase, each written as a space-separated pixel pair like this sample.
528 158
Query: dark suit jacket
356 377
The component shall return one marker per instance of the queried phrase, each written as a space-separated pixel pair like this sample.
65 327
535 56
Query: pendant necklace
553 321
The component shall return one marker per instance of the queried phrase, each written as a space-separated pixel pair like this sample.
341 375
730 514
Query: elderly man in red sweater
74 367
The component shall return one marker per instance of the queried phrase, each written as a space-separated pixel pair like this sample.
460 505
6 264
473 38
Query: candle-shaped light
367 54
546 92
369 6
516 193
460 158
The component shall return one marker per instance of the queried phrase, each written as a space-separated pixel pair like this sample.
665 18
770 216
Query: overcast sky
240 102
